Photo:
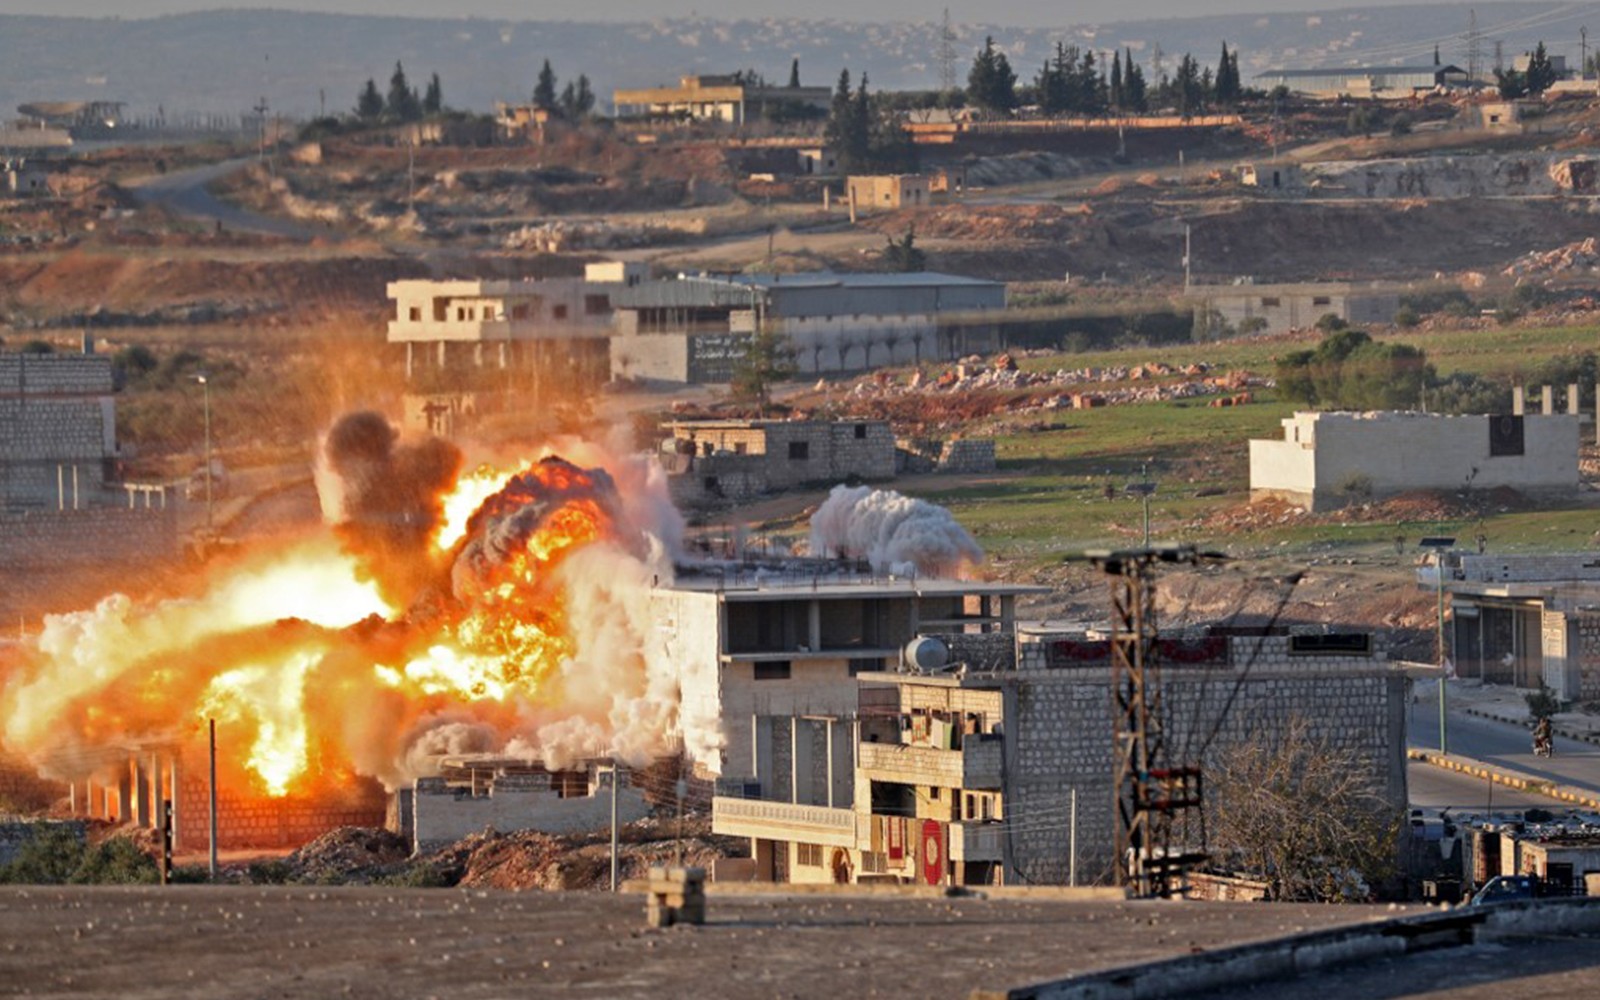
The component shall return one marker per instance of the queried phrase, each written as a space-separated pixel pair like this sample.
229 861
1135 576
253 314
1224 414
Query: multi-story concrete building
727 98
886 192
549 334
714 462
1326 460
1524 621
696 328
968 776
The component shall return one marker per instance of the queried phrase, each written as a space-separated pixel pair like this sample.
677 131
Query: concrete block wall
1588 639
14 836
980 650
55 410
1061 740
95 536
258 821
443 814
967 456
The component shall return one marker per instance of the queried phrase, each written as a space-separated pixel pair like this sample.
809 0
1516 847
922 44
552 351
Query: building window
596 305
772 670
865 664
875 862
934 793
861 432
799 451
808 855
1321 300
415 314
519 311
559 312
1269 302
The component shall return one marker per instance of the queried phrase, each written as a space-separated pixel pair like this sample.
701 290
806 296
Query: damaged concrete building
715 462
542 335
966 774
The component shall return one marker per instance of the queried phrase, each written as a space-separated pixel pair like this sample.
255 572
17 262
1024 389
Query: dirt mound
988 223
350 853
1404 508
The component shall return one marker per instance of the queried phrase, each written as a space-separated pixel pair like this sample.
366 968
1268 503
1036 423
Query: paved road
1434 788
1503 745
184 192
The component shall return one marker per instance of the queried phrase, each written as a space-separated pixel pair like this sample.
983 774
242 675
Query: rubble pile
1583 256
1115 385
348 854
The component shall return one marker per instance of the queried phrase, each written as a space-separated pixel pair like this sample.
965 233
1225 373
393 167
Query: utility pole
261 117
947 55
211 794
205 385
1439 545
1186 241
1583 53
1151 793
616 776
1144 489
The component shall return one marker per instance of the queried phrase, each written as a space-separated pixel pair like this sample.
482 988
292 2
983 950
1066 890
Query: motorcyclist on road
1541 735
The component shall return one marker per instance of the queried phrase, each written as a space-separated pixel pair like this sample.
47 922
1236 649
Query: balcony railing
783 821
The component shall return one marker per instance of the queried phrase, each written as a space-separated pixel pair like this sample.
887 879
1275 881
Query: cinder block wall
55 410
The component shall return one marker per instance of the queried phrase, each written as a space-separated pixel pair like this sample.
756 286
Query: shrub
1542 703
117 861
1406 317
272 872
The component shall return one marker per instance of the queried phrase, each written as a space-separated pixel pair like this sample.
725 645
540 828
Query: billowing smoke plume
506 610
383 497
893 532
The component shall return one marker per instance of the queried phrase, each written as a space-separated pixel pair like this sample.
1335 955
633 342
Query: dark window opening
596 305
416 314
861 431
1321 300
519 311
865 664
772 670
559 312
1331 644
799 451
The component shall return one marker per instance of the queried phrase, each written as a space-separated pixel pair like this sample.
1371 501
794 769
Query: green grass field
1049 497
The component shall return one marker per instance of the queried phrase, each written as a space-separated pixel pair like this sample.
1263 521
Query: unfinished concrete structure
1326 460
696 329
888 192
731 98
1525 620
1385 82
475 793
537 336
1562 857
715 462
1267 309
966 776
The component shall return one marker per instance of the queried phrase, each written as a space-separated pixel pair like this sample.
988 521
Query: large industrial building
696 328
1363 81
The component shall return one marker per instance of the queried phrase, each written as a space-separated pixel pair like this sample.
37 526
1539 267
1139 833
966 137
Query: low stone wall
967 456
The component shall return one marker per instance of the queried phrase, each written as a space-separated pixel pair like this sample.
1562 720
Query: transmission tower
1160 819
947 55
1474 42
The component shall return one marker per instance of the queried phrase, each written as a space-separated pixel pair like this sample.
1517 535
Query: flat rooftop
748 584
375 942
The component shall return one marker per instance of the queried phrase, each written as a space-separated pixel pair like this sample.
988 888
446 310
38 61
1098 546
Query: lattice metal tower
1474 42
947 55
1160 821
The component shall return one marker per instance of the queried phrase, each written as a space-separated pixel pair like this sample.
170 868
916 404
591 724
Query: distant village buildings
1388 82
726 98
1278 308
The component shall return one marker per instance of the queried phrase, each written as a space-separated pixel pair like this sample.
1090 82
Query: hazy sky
1018 12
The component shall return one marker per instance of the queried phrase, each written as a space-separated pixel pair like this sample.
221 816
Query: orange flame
307 665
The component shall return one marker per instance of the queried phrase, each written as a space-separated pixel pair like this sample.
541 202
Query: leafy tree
1511 84
864 132
544 92
991 83
369 103
1541 74
402 104
1351 371
1302 813
433 97
767 360
904 255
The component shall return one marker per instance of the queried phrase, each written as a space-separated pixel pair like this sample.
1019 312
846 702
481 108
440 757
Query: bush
57 855
1331 323
117 861
1542 703
1357 486
421 875
273 872
1406 317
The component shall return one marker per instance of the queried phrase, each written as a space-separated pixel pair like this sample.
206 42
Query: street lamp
205 385
1144 489
1439 544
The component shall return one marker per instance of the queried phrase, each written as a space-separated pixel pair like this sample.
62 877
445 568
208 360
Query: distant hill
224 61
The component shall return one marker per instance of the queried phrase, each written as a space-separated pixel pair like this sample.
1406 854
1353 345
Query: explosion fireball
500 609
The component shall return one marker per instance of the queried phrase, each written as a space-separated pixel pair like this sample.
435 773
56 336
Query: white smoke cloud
893 532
